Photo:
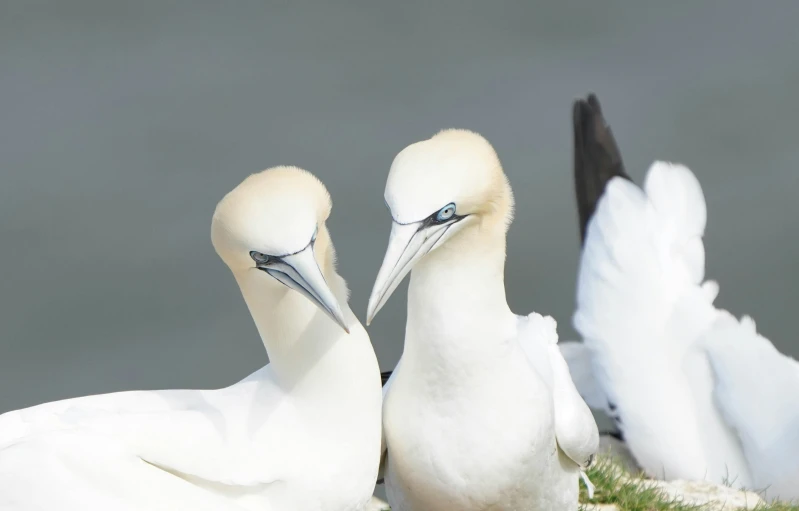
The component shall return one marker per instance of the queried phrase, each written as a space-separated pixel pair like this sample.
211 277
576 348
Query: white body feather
301 434
678 371
481 411
757 391
251 446
641 311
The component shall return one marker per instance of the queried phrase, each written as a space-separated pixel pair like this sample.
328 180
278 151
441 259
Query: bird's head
274 223
438 190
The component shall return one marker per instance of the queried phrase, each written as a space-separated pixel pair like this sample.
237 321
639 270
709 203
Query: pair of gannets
480 414
695 393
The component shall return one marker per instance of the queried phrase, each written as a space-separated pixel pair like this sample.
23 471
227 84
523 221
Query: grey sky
123 123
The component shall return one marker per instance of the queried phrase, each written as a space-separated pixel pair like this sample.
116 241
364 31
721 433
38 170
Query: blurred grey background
123 123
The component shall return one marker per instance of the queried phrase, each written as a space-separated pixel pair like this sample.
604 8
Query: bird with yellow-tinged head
274 222
438 191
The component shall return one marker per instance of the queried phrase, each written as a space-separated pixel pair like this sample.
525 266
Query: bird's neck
298 336
456 298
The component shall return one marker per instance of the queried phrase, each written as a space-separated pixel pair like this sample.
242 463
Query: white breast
463 448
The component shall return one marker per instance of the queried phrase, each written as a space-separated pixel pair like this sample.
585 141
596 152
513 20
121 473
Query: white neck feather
306 348
457 309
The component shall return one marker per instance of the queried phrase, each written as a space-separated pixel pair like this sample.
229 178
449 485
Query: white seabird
480 413
302 433
696 393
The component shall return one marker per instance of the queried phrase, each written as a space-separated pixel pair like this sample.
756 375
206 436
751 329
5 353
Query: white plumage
641 311
480 413
303 433
696 393
756 389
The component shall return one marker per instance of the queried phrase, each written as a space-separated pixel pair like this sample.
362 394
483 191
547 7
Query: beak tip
338 317
371 311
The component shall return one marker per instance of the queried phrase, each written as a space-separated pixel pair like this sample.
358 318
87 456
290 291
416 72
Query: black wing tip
385 375
589 121
593 101
587 109
597 159
580 110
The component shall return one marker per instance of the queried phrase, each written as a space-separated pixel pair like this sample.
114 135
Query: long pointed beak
301 273
407 244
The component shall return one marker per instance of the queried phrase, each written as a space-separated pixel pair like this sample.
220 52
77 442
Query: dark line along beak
407 244
301 273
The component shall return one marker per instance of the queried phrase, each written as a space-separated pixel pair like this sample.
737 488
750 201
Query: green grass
635 494
629 493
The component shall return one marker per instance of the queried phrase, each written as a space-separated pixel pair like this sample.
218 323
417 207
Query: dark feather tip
597 159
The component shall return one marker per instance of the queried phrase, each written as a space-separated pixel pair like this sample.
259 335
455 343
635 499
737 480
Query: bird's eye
259 258
316 231
446 212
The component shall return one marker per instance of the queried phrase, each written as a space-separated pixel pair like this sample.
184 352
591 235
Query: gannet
302 433
756 389
696 393
480 413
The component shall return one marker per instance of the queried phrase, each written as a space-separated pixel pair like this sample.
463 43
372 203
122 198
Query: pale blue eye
260 258
446 212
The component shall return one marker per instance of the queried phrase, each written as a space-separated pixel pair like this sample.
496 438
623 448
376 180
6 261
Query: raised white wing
641 308
757 390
